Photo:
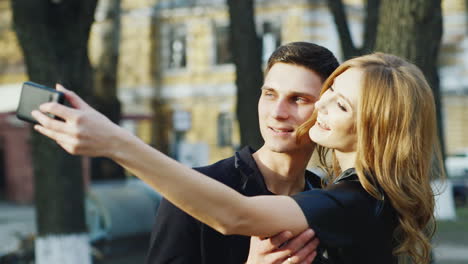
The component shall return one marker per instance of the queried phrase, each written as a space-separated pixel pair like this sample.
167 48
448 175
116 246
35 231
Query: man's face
288 97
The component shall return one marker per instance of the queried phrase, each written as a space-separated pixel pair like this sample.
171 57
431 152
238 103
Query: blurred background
176 74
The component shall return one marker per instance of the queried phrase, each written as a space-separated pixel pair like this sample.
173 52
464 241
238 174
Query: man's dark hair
311 56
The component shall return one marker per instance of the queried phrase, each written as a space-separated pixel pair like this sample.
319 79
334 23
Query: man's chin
284 149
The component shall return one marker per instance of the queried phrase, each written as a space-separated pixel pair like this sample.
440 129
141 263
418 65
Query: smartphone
32 96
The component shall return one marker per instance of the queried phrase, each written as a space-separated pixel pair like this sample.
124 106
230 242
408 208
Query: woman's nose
323 102
320 105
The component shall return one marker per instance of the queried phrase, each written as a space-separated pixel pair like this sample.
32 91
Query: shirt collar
252 181
349 174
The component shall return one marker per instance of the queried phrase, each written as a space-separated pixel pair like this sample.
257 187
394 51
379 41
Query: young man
294 76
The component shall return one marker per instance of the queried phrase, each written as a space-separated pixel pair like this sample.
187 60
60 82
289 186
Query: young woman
376 114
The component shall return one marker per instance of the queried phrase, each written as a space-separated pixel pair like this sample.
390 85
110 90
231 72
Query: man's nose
280 110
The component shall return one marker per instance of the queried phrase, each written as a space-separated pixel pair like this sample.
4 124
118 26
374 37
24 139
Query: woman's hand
83 130
283 249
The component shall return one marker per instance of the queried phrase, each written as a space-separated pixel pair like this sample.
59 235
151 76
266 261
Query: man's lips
281 130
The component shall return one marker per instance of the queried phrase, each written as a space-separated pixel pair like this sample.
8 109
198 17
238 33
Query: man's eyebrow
264 87
300 94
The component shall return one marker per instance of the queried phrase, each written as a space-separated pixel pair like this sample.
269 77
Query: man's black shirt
178 238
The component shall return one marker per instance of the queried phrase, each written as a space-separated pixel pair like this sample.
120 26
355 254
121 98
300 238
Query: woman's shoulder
346 192
347 186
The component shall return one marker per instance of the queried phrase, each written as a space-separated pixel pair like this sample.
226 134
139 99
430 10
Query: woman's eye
342 107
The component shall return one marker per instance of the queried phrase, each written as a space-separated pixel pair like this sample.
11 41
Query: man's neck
283 172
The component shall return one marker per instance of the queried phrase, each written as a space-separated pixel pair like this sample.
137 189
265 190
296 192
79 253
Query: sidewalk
16 221
445 253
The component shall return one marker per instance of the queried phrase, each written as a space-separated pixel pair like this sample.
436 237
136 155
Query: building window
271 39
224 130
223 46
177 47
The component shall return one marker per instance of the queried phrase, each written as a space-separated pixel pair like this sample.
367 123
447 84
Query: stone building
453 73
178 52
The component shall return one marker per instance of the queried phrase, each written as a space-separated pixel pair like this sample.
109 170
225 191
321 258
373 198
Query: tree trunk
370 25
466 16
247 55
105 85
161 125
412 29
105 89
54 37
371 21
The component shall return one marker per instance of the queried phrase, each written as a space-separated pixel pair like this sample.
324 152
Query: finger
61 88
304 252
279 239
299 241
295 244
256 244
51 124
64 112
310 258
74 100
68 143
64 139
255 239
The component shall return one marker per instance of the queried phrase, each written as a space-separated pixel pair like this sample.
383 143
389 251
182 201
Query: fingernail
58 86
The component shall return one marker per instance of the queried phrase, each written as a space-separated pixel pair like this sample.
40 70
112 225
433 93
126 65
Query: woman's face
337 111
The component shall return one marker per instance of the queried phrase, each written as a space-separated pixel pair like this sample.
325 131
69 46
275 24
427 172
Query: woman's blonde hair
397 145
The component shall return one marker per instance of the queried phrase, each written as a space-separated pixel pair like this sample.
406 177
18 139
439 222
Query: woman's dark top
353 227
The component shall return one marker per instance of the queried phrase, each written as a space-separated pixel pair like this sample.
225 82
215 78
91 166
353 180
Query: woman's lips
322 125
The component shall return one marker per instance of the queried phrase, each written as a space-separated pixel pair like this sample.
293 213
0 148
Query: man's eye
300 99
